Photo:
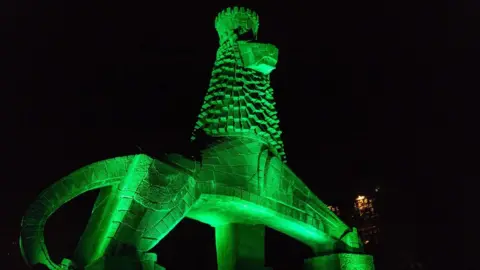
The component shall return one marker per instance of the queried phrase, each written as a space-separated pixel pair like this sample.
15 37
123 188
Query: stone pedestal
149 261
145 261
67 264
342 261
240 247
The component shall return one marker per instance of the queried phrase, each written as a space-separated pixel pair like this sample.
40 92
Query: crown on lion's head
234 19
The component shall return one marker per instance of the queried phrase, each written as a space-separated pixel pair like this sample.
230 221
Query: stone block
240 246
341 261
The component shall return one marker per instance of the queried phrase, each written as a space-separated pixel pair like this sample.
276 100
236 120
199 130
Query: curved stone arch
94 176
267 153
262 166
273 178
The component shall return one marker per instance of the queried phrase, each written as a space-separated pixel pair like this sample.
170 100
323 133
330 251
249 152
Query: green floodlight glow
241 184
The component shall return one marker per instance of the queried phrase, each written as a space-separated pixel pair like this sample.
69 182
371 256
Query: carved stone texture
356 262
235 21
241 181
259 56
342 261
240 99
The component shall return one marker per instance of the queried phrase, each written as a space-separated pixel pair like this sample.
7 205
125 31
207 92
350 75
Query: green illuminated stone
241 184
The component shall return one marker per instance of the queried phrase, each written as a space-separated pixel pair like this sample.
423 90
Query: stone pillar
148 261
67 264
240 246
353 241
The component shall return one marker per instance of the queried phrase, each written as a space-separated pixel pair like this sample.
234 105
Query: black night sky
362 91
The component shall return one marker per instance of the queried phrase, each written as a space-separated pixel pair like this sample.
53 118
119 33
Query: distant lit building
334 209
362 216
366 218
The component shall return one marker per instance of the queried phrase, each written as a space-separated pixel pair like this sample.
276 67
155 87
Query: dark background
363 91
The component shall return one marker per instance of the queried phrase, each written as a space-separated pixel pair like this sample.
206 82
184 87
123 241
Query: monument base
341 261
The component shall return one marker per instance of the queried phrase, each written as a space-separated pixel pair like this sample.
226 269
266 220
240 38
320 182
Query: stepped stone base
342 261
